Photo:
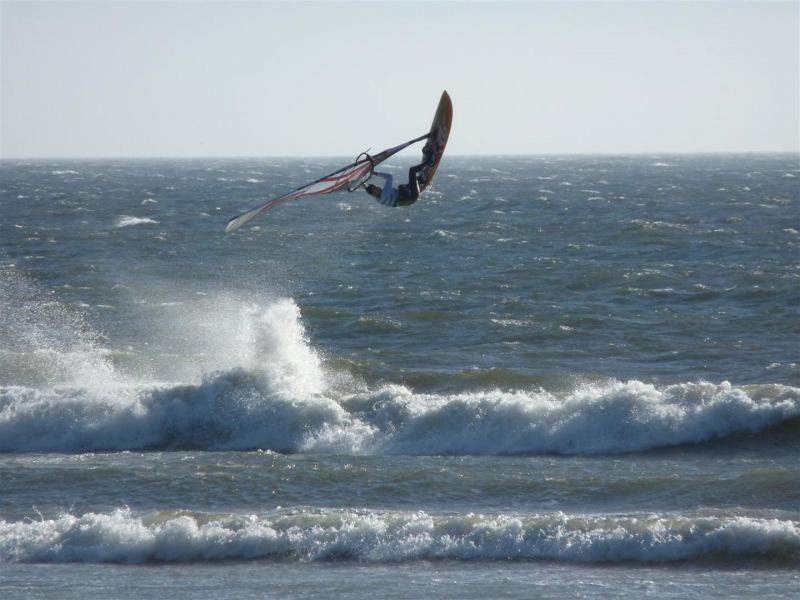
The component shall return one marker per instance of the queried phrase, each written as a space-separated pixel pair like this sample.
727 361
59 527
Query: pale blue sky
187 78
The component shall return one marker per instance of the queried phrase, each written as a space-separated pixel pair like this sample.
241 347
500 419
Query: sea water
549 377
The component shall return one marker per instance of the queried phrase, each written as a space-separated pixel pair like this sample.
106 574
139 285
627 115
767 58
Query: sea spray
262 385
44 341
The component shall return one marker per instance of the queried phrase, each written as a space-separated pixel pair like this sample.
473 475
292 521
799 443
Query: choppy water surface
550 376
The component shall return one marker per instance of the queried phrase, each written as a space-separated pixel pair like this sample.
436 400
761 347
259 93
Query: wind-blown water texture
560 363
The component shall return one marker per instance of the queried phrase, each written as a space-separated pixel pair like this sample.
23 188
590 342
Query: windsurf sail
350 176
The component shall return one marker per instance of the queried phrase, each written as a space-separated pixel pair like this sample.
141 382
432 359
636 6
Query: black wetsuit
406 193
409 192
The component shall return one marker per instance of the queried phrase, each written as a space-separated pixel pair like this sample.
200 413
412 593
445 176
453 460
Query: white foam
128 221
243 374
275 409
615 417
268 393
372 536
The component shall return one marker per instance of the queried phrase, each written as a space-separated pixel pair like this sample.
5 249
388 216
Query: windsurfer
405 193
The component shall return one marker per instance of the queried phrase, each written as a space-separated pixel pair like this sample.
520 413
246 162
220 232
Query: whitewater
280 398
554 375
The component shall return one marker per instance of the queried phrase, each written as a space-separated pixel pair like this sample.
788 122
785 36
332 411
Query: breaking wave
372 536
258 383
241 410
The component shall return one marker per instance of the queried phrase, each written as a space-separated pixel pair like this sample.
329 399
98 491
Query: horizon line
459 155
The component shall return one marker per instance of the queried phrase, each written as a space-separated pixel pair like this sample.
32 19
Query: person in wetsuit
405 193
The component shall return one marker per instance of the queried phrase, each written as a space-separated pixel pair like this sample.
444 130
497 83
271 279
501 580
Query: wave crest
260 384
238 409
129 221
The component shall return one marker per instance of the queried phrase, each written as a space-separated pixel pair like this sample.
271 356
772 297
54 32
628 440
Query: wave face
239 410
274 392
368 536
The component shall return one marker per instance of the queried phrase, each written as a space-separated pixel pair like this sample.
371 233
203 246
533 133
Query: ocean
551 377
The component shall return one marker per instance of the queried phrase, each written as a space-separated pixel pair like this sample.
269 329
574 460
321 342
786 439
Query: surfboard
437 138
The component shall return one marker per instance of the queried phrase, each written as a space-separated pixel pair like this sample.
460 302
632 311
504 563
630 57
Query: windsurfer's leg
413 181
410 192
